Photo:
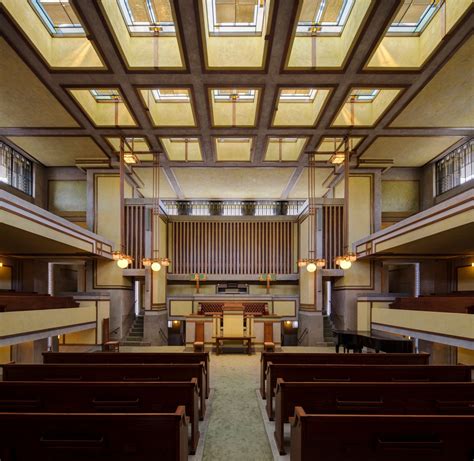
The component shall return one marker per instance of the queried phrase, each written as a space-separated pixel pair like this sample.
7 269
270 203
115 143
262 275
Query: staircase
327 331
135 334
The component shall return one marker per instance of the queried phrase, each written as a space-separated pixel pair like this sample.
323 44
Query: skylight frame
75 30
247 95
362 98
138 28
159 98
235 29
297 98
305 28
398 29
103 98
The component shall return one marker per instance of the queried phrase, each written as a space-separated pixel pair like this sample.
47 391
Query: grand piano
356 340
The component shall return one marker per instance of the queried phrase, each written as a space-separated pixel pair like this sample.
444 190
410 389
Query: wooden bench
100 397
325 358
362 373
369 398
111 372
131 357
381 437
87 437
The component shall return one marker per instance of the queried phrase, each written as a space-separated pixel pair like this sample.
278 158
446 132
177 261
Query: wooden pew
325 358
381 437
111 372
369 398
100 397
362 373
453 304
87 437
131 357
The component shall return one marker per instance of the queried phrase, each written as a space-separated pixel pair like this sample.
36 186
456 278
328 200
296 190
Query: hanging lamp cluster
345 261
121 257
312 263
156 262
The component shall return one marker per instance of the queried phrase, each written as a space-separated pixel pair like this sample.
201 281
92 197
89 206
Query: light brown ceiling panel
182 149
284 149
233 149
365 106
299 106
234 31
24 100
59 151
105 107
409 151
325 32
234 106
449 95
146 33
415 32
233 183
55 30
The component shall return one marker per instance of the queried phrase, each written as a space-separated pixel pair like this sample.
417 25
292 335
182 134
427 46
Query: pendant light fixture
312 263
345 261
121 257
156 262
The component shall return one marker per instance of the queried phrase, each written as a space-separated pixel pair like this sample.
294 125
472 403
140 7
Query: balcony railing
233 207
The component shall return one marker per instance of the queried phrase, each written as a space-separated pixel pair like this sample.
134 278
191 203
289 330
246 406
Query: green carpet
236 431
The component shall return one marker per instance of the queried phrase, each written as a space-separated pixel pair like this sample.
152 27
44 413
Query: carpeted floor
236 431
236 428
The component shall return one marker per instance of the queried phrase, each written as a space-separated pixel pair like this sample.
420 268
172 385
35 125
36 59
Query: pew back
110 372
85 436
362 373
103 397
329 358
369 398
381 437
130 357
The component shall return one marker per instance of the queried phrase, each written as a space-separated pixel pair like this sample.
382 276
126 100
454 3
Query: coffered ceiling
236 91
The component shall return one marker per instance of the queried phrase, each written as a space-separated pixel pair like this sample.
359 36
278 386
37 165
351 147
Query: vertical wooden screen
333 217
232 247
135 234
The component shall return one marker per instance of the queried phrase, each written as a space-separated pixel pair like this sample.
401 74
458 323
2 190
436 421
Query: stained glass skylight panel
106 95
414 16
298 95
171 95
58 16
323 17
148 16
235 17
227 95
363 95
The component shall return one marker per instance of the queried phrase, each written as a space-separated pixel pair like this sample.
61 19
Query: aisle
236 430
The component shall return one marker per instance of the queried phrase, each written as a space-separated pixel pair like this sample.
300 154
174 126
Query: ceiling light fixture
312 263
156 262
121 257
345 261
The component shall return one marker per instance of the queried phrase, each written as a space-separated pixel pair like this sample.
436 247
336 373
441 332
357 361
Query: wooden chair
268 344
199 337
107 344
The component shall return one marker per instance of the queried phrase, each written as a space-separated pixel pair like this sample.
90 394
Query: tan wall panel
457 325
67 196
465 356
399 196
5 278
81 337
465 278
284 308
181 308
14 323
